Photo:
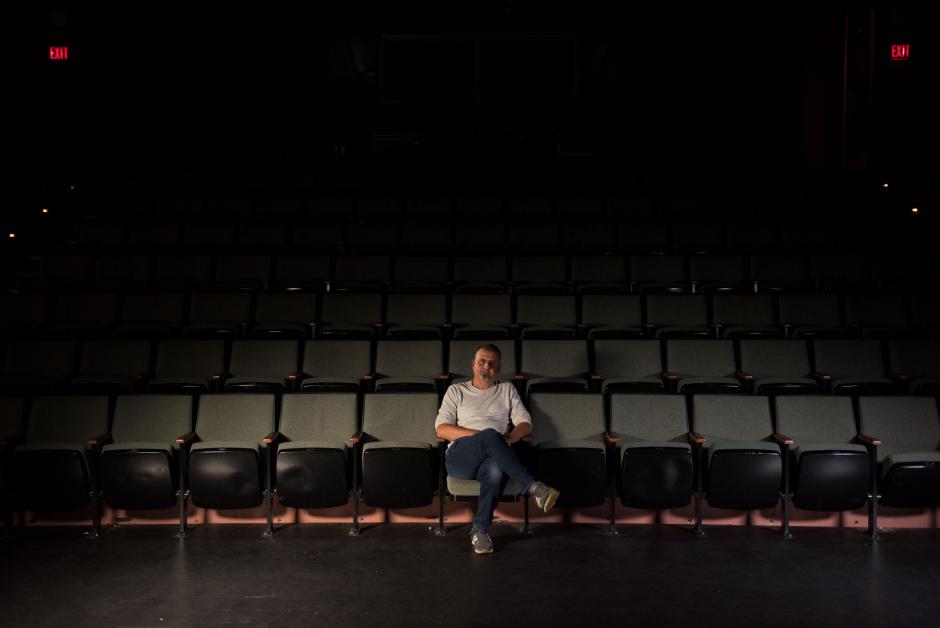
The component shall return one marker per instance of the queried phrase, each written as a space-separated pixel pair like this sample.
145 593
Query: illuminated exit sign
59 53
900 52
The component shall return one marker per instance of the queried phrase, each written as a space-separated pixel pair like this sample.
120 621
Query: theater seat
140 468
400 457
909 451
225 461
313 461
54 469
655 467
831 469
702 366
742 466
568 431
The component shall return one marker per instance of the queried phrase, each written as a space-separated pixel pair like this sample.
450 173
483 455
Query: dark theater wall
157 93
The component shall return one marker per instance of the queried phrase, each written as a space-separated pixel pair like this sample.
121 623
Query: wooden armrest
823 376
901 376
271 438
745 376
670 375
518 376
367 376
293 376
186 438
698 439
217 376
355 438
611 439
783 440
444 376
99 440
865 439
595 377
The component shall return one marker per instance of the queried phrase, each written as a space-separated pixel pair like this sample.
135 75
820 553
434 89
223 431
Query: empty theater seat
289 314
546 316
908 429
83 314
559 365
34 366
831 469
313 461
416 316
568 431
777 367
421 274
336 365
678 316
54 469
113 366
140 469
658 274
151 315
225 461
409 365
400 454
193 366
599 273
915 364
22 314
745 316
851 367
218 315
811 316
539 275
655 467
350 316
481 315
877 315
743 468
628 365
310 272
701 366
262 366
612 316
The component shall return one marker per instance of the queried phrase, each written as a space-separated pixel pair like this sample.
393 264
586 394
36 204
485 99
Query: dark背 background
466 96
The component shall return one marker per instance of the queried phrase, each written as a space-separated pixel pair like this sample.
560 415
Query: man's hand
453 432
518 433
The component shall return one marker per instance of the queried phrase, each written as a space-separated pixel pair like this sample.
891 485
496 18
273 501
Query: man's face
486 365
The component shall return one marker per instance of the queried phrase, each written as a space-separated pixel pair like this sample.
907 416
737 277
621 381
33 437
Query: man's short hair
489 347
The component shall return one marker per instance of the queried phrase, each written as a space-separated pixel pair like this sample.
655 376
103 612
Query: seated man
475 417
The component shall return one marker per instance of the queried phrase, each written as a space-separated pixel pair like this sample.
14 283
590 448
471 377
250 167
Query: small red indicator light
900 52
59 53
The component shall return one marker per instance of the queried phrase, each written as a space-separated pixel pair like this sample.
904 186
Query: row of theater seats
688 366
297 314
553 273
317 451
490 229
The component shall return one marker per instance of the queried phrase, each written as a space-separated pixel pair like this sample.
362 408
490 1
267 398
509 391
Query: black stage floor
394 575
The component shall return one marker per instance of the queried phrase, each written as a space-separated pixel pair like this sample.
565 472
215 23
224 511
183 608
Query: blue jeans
487 458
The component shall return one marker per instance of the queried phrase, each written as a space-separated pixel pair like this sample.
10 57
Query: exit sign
59 53
900 52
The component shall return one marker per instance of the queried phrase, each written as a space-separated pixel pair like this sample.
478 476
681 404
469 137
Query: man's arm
519 432
452 432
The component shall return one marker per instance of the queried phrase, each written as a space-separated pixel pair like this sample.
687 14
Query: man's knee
490 473
491 435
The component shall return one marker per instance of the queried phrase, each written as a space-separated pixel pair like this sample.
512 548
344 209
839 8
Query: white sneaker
545 496
481 541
